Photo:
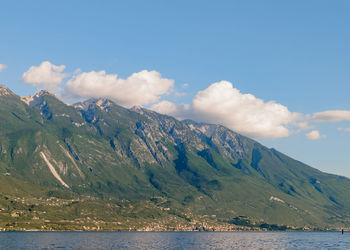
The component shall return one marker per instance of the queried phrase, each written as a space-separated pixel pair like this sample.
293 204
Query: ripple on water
175 240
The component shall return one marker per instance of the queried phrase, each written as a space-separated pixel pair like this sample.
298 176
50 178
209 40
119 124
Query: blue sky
295 53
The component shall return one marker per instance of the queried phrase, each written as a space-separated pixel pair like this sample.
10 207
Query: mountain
96 165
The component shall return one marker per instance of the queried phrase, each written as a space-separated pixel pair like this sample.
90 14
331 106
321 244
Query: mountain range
96 165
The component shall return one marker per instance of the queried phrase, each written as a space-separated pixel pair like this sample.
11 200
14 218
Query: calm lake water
175 240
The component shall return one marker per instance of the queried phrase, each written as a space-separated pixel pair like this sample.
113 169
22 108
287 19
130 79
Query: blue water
174 240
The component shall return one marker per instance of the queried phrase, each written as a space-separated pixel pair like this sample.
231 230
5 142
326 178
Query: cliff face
100 149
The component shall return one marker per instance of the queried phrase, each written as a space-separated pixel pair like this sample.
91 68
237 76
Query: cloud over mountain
244 113
219 103
47 75
180 111
141 88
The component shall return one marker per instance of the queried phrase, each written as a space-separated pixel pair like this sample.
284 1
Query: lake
175 240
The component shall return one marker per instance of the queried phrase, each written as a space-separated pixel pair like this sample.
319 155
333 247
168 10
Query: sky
276 71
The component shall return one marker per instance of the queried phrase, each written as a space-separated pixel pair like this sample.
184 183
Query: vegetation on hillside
96 165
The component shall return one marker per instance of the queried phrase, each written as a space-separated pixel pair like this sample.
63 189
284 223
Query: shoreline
175 231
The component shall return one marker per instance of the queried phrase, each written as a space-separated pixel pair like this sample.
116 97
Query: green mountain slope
167 172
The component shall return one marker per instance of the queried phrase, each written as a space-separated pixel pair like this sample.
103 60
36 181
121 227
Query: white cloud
2 67
331 116
303 125
221 103
180 111
185 85
313 135
244 113
47 75
141 88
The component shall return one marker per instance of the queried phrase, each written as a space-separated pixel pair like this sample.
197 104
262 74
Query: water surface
175 240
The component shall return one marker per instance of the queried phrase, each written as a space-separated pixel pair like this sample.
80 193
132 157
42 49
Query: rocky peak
43 92
86 105
5 91
104 104
37 99
137 109
202 128
228 142
88 109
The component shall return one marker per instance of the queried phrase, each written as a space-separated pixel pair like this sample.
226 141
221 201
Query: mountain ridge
202 172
